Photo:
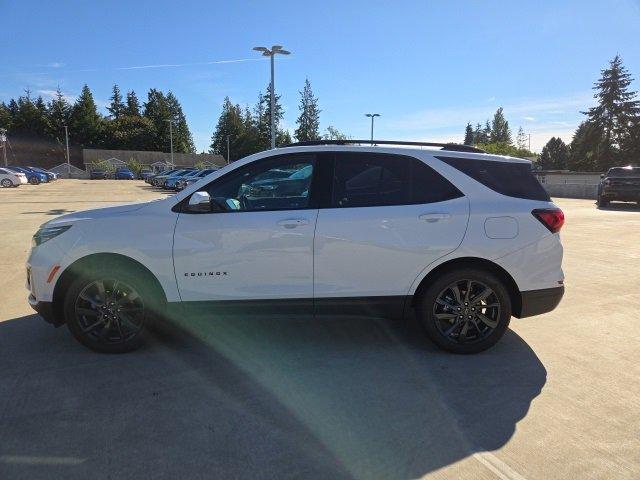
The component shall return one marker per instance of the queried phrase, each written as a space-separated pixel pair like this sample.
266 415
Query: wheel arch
473 262
100 262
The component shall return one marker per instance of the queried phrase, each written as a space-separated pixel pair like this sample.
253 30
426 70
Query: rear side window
371 179
507 178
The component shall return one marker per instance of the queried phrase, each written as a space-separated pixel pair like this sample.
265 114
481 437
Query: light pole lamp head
371 115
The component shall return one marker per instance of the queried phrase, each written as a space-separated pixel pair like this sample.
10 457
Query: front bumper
45 310
537 302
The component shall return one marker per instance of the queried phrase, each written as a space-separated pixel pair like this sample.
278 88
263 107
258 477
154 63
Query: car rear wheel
602 201
465 311
108 312
34 180
6 182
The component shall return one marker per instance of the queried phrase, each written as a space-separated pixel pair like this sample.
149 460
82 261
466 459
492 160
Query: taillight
552 218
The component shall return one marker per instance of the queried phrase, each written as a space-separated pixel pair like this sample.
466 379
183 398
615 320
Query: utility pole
228 154
66 136
171 140
372 115
275 50
529 141
3 140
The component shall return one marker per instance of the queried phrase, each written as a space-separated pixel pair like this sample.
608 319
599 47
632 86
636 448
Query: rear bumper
537 302
45 310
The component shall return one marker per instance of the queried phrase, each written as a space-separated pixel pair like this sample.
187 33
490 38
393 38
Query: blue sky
427 66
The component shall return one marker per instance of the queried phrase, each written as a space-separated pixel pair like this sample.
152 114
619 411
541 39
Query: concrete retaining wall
572 190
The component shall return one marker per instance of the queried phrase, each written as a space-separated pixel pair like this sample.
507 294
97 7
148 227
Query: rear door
388 217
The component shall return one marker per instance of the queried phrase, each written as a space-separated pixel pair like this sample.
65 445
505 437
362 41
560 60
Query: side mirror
200 202
602 175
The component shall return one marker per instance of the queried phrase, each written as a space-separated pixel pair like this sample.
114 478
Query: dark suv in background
619 184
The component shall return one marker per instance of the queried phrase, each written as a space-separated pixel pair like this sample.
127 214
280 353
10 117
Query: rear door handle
434 217
293 222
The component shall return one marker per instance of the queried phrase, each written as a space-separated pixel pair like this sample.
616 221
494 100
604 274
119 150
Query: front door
258 245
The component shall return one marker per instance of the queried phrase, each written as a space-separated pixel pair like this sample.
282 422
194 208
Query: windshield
624 172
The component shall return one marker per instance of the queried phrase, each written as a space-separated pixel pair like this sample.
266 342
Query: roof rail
454 147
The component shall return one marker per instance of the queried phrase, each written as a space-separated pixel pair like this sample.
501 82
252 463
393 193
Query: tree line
248 130
129 125
608 137
495 137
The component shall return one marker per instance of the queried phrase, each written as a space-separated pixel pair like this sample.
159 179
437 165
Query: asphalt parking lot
558 397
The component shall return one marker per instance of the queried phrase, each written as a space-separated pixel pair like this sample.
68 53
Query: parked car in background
159 180
9 178
620 184
33 177
124 174
51 175
460 238
144 174
186 181
151 180
97 174
170 182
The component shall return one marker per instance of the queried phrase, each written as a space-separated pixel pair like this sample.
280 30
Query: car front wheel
602 201
108 312
465 311
6 183
34 180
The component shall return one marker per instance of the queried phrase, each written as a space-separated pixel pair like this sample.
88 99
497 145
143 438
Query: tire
602 201
95 305
443 316
6 183
34 181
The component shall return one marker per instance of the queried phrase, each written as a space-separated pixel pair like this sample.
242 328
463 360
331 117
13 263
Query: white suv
464 238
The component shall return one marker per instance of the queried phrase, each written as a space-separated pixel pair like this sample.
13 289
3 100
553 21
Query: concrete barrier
571 190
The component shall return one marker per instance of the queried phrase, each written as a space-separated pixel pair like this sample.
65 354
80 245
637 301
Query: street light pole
66 136
372 115
171 140
3 140
275 50
228 154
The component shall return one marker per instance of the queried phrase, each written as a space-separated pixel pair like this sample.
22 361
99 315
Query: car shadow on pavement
238 397
55 211
621 207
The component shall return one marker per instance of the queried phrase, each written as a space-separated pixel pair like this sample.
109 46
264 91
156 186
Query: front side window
278 183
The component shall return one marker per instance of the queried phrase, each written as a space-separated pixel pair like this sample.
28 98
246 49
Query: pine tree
469 135
85 121
486 132
334 134
616 113
585 146
116 107
230 124
554 156
58 111
500 132
29 117
157 111
133 105
521 140
182 139
5 116
263 119
309 120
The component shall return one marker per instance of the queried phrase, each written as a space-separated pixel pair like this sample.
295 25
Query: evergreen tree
500 132
469 135
555 155
58 111
129 132
133 105
615 114
29 117
585 146
85 121
116 107
182 139
157 111
309 120
5 116
263 120
334 134
521 140
486 132
232 124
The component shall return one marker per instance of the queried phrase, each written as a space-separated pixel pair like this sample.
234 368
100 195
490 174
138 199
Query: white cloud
52 93
529 119
55 65
491 99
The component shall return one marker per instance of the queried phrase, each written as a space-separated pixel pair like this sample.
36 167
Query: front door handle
434 217
293 222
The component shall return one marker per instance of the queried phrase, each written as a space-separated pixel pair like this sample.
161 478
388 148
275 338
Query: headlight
47 233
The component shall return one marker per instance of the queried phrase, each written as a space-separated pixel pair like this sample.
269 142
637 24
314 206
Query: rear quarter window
507 178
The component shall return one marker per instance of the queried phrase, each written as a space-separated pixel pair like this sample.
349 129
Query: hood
96 213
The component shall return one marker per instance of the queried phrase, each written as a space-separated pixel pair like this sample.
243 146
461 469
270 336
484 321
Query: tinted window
370 179
255 188
508 178
624 172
